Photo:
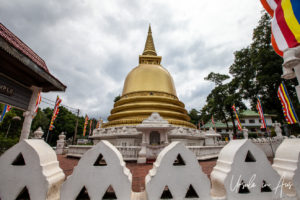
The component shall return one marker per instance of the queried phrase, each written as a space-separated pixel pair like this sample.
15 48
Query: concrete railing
78 150
130 153
205 152
30 170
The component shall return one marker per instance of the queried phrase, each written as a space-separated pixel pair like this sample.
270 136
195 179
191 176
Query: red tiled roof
22 47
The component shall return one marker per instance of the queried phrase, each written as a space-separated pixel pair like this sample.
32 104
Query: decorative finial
149 45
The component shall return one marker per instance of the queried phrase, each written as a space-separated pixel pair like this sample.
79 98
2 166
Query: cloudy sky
91 45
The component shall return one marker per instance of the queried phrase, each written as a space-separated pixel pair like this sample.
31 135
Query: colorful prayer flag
261 114
99 123
287 106
55 113
37 103
91 122
237 118
86 121
285 23
5 110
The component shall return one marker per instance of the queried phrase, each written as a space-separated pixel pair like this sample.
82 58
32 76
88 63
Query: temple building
149 114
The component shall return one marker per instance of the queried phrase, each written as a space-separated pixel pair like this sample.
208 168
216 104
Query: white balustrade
100 174
30 170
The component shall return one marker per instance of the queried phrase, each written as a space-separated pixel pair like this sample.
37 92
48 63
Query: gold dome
148 88
149 77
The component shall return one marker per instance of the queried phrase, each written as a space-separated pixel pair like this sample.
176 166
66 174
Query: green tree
221 99
257 71
194 115
40 120
117 98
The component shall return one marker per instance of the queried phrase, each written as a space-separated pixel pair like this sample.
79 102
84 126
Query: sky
91 45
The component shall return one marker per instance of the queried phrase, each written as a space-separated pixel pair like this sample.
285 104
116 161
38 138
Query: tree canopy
64 122
255 72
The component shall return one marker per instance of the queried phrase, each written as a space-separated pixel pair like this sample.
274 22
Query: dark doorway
154 138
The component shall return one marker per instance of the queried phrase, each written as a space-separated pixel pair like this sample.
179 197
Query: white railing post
30 170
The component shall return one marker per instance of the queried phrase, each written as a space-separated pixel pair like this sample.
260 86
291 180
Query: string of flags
6 109
55 113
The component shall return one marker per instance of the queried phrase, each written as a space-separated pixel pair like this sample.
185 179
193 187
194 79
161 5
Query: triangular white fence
30 170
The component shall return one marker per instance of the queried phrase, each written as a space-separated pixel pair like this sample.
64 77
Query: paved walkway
138 171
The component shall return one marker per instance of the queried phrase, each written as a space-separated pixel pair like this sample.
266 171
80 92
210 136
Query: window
242 121
251 121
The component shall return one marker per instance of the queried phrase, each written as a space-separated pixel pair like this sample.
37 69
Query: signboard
13 93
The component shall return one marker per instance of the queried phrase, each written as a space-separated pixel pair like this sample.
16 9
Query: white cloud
92 45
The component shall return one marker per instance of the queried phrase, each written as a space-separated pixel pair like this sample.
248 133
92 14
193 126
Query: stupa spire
149 45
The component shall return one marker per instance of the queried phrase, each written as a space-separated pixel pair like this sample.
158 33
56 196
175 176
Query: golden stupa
148 88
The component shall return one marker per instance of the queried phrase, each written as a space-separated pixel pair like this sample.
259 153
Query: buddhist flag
287 106
37 103
261 114
237 118
5 110
86 121
285 23
55 113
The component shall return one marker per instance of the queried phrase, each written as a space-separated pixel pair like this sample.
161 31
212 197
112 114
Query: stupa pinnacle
149 45
148 88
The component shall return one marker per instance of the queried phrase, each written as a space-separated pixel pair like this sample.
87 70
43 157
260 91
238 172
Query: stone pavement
139 171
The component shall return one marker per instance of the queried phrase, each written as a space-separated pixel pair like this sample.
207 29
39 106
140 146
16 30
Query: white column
142 156
297 72
291 59
245 133
143 138
29 114
166 139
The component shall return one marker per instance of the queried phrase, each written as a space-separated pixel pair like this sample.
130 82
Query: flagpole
269 134
261 114
47 136
76 126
